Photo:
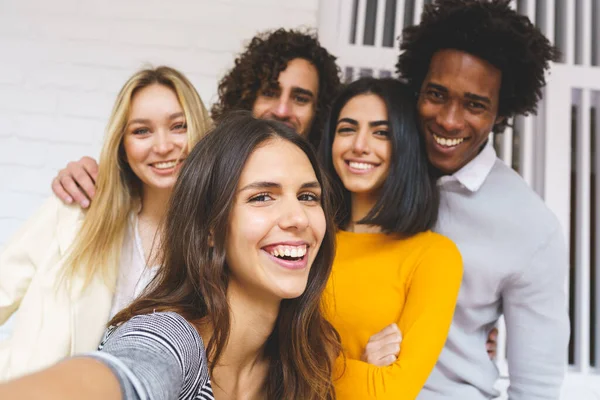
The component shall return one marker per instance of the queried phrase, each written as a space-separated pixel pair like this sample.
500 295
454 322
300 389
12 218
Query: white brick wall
62 63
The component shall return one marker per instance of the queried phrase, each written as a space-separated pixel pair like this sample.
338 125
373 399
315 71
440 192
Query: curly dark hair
260 65
489 30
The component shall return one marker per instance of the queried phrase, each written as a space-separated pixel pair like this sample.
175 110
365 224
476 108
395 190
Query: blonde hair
97 248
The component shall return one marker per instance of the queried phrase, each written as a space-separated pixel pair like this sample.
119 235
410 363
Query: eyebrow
372 123
306 92
147 121
468 95
275 185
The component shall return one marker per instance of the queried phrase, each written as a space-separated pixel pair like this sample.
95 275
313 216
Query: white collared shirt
472 175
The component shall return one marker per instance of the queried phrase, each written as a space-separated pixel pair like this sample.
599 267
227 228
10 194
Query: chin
292 292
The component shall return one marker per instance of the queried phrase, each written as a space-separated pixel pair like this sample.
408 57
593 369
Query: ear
499 120
211 240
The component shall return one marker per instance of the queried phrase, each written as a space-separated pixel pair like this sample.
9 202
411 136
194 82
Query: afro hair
490 30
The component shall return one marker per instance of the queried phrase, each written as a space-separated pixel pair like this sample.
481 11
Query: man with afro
474 64
285 75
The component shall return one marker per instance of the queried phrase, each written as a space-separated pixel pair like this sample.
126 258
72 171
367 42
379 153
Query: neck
362 203
154 204
242 367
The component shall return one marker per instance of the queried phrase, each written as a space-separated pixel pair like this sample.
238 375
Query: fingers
91 166
383 347
77 182
77 173
60 192
388 330
64 184
381 355
491 345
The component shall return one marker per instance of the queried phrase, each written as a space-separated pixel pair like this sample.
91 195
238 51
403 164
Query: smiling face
276 224
155 139
361 151
293 100
458 107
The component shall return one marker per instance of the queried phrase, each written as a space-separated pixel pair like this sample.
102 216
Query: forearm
77 378
537 324
402 380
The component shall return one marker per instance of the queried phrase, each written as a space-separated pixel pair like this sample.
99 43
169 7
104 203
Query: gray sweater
516 263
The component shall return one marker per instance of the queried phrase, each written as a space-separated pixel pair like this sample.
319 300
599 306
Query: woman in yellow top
389 267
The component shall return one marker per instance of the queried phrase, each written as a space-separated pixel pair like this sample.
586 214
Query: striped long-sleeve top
157 356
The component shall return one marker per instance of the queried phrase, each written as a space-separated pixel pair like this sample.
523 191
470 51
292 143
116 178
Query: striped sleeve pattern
157 356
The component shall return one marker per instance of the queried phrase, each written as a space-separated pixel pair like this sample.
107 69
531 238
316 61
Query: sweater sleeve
424 324
156 356
537 324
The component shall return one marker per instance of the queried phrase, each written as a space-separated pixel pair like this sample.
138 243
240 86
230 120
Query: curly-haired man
284 75
474 64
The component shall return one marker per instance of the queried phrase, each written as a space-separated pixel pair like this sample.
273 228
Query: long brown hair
194 275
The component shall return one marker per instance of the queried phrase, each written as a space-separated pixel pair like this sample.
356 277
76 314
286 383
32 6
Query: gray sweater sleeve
157 356
537 323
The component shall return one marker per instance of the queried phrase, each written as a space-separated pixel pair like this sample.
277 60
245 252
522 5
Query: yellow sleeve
22 255
424 325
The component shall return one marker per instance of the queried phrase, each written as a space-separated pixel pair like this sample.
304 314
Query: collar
472 175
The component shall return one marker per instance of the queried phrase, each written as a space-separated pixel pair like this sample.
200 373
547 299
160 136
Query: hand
77 182
492 343
383 348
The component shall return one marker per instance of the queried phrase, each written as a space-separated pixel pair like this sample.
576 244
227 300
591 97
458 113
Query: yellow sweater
377 280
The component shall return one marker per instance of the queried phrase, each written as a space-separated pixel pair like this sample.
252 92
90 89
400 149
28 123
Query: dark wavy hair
489 30
194 275
259 66
410 198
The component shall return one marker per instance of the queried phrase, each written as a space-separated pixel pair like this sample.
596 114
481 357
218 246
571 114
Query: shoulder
164 326
52 224
517 203
430 241
161 350
159 333
437 250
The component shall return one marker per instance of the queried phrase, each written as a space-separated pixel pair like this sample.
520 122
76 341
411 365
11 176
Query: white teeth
289 251
448 142
359 165
165 164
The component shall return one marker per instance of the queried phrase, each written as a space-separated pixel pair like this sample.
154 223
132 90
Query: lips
165 167
289 255
360 166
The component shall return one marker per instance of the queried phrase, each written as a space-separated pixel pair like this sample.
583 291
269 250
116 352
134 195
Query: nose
360 145
282 109
451 118
163 142
293 216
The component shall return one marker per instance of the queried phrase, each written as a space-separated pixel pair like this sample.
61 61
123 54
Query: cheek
134 150
317 222
259 107
426 110
337 151
250 227
181 141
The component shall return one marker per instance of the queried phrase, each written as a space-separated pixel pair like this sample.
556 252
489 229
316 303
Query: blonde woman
68 271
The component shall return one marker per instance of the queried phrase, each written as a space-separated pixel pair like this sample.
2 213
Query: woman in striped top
247 249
